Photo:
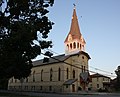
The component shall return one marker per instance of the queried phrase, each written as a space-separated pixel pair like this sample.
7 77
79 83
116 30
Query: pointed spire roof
74 29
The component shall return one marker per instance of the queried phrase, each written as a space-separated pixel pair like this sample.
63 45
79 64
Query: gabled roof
113 80
74 29
98 75
55 59
70 81
58 59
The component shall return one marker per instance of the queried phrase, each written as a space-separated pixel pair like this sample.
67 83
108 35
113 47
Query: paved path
75 95
82 94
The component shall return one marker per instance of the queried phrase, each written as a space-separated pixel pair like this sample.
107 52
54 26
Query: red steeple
74 29
74 40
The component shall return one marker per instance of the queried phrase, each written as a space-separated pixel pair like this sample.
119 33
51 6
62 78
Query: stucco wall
34 83
97 82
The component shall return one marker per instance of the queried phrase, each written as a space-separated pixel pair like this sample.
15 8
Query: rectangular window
82 68
26 87
103 79
50 88
97 85
97 79
32 87
90 85
33 78
67 73
15 80
66 86
51 74
41 75
73 73
59 74
41 87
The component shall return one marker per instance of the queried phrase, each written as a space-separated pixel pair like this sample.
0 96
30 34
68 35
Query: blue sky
99 25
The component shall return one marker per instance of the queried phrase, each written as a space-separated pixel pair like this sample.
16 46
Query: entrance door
73 88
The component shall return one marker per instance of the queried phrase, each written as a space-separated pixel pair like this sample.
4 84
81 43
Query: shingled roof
98 75
57 59
74 29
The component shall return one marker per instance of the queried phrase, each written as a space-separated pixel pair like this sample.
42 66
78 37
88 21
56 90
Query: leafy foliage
20 24
117 84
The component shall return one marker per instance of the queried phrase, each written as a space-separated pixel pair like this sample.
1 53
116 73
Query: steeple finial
74 5
74 40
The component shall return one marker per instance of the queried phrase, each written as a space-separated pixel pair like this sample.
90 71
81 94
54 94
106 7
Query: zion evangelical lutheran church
63 73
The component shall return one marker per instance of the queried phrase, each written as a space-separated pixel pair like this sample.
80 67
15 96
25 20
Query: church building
62 73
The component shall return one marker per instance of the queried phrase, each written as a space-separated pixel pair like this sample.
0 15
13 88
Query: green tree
21 22
117 84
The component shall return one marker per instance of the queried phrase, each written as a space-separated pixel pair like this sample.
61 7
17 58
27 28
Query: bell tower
74 41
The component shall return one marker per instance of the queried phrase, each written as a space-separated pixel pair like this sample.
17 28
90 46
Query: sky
99 22
99 25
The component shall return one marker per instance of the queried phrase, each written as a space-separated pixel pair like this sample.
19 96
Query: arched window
67 71
82 68
80 46
74 45
67 47
26 80
71 46
73 73
12 80
42 75
83 47
33 76
51 74
77 45
59 74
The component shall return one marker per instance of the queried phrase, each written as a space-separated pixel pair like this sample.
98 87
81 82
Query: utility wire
100 70
90 66
75 65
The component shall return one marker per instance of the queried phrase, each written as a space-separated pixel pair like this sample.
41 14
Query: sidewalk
57 94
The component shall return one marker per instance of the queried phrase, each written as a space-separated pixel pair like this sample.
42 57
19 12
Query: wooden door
73 88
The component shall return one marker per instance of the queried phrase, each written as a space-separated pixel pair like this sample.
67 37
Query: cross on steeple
74 5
